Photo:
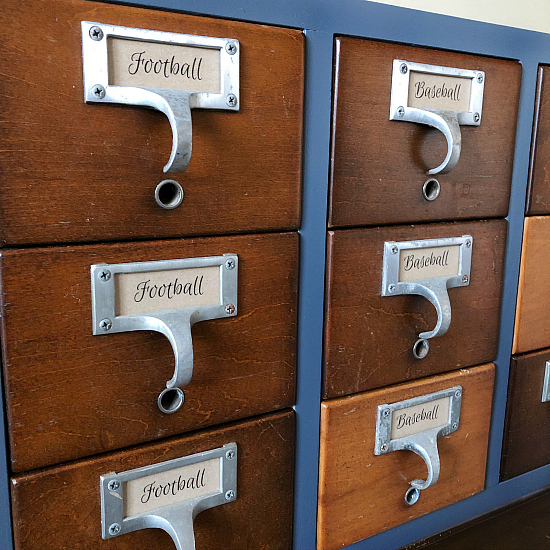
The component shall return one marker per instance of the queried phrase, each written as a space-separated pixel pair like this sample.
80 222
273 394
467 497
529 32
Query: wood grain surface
74 172
379 166
71 394
521 524
361 494
526 442
538 195
532 325
59 508
369 337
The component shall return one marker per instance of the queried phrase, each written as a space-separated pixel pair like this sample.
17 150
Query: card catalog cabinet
379 167
71 393
369 338
74 171
60 507
362 493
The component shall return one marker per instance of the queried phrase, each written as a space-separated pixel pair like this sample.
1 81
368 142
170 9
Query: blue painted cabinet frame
321 21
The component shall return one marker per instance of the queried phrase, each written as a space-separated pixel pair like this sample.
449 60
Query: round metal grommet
421 348
412 496
431 189
169 194
170 400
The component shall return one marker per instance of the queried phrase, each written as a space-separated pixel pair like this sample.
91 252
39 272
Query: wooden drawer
361 494
76 172
538 197
60 507
379 166
526 443
369 337
532 327
80 394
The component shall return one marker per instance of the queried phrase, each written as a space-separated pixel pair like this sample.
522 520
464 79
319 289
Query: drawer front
60 507
84 394
532 327
379 166
361 494
538 198
369 338
526 443
77 172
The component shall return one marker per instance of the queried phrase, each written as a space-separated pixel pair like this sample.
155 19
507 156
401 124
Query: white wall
526 14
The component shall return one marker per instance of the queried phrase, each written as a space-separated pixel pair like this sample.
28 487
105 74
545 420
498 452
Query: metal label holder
176 519
447 122
435 289
175 324
546 384
424 443
175 104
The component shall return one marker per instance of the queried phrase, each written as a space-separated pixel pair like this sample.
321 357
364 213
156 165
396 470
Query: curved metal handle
178 523
447 123
437 294
425 446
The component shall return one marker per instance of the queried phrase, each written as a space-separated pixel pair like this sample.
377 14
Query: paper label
162 65
417 264
439 92
150 291
419 418
171 487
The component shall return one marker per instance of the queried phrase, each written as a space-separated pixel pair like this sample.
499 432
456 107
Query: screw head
465 279
96 34
394 249
476 117
455 425
403 68
458 393
231 48
391 288
113 485
400 111
229 309
231 100
386 413
468 243
98 91
105 324
230 495
114 529
230 455
479 77
104 275
230 264
383 447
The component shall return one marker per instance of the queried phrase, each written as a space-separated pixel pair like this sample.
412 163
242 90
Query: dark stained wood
526 443
369 338
361 494
60 507
522 524
76 172
532 326
538 196
379 165
71 394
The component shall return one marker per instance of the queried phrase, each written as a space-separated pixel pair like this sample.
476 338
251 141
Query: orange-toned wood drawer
60 507
526 443
379 166
74 172
361 494
532 325
78 394
538 197
369 338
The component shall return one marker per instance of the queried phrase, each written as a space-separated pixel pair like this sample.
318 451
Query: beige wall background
532 15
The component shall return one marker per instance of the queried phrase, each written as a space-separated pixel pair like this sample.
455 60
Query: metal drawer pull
167 296
172 73
415 425
440 97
